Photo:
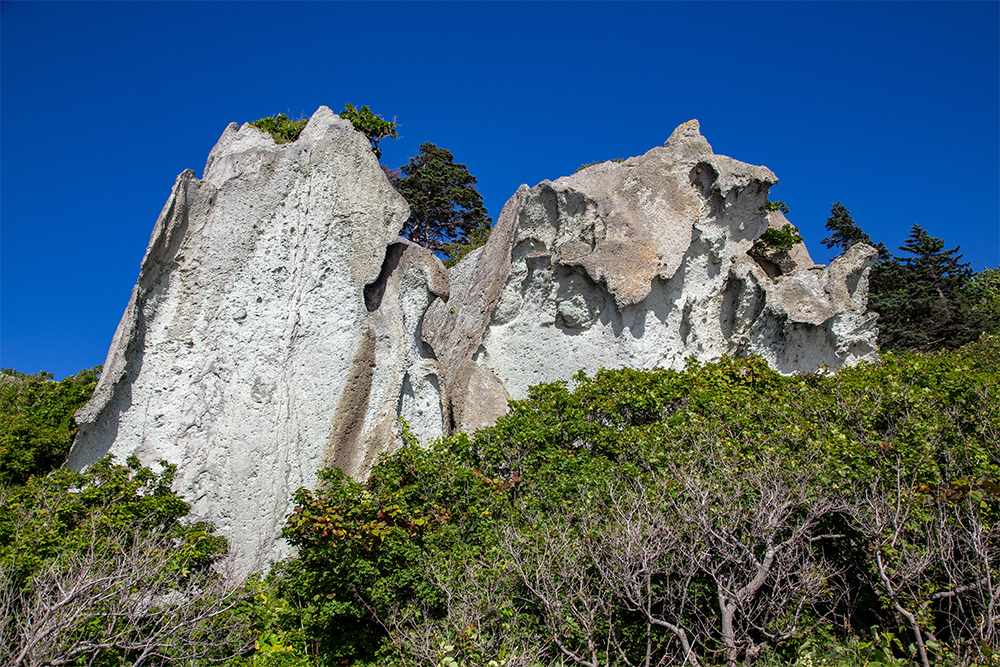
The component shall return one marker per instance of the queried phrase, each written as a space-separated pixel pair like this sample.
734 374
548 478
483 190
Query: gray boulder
274 330
642 264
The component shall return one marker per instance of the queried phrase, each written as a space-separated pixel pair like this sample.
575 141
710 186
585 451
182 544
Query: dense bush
778 239
281 128
720 515
370 124
100 568
36 420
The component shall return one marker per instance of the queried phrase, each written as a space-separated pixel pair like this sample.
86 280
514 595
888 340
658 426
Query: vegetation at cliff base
100 568
721 515
36 420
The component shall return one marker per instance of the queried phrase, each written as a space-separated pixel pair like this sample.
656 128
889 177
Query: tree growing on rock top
371 124
281 128
844 232
446 210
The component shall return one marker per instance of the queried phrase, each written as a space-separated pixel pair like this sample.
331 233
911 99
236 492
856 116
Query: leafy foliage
776 206
781 240
983 293
446 211
36 420
614 520
281 128
99 568
71 511
361 546
373 126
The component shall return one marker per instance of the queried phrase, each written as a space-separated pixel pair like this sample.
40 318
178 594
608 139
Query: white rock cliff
279 325
641 264
250 353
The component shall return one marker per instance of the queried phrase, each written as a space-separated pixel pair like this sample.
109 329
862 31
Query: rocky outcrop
395 375
642 264
279 325
274 329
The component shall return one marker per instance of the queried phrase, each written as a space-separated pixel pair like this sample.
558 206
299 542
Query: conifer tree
922 300
446 210
845 232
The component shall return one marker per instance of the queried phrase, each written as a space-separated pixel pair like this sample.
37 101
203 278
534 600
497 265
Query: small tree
781 240
446 210
845 232
373 126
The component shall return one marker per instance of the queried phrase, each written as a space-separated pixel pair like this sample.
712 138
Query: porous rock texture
643 264
274 330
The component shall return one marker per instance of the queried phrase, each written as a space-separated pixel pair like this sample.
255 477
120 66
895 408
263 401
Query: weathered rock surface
640 264
279 325
251 353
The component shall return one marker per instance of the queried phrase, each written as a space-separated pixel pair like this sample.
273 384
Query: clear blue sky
891 108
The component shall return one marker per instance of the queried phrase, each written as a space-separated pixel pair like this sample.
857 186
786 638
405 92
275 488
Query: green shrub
281 128
780 240
503 543
776 206
36 420
373 126
100 568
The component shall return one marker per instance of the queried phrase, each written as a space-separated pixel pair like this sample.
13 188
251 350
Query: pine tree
922 300
845 232
446 210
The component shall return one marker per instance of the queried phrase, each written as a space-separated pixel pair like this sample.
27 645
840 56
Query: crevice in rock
375 290
770 268
406 390
731 294
685 327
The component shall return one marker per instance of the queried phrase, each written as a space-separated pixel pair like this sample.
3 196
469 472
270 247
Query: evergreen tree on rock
845 232
446 210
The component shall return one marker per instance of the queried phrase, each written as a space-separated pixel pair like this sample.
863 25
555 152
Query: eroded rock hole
375 290
703 176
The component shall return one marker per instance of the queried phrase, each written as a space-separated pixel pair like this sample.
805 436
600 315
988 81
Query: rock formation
278 324
642 264
274 329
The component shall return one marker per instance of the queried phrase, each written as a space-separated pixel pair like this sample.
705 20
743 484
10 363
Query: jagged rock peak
642 263
248 353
